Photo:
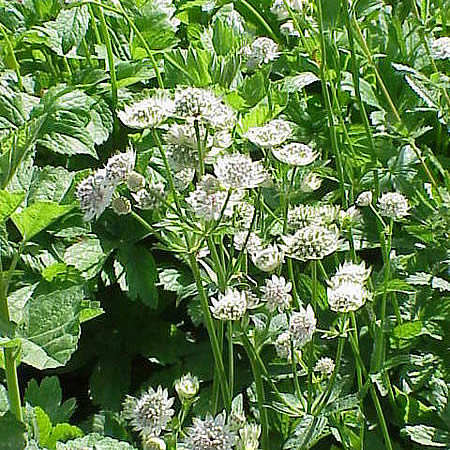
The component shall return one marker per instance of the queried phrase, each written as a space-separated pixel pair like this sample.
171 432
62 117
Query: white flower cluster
302 326
229 306
95 192
210 434
187 387
273 134
301 216
393 205
279 7
249 437
440 48
268 258
325 366
262 51
276 293
295 154
346 289
283 346
364 199
150 414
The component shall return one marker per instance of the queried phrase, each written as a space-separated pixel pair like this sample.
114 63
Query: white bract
274 133
393 205
295 154
325 366
276 293
229 306
262 51
364 199
120 166
187 387
279 7
302 326
440 48
268 258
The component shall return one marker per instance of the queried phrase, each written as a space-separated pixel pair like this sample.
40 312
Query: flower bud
187 387
121 205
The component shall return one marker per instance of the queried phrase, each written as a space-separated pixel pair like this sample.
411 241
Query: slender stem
221 277
295 296
94 24
230 357
259 18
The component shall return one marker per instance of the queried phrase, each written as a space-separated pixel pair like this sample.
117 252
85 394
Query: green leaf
48 396
308 432
140 273
63 432
50 327
87 256
44 425
72 25
49 184
9 202
426 435
95 442
90 310
404 334
12 433
37 217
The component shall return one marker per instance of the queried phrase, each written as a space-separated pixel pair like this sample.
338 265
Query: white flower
181 157
325 366
94 194
120 166
239 171
283 346
150 413
268 258
312 242
249 437
152 443
187 387
135 181
393 205
346 295
279 8
311 182
253 242
440 49
229 306
296 154
150 198
121 205
288 29
262 51
302 326
364 199
353 272
210 197
276 293
274 133
147 113
210 434
301 216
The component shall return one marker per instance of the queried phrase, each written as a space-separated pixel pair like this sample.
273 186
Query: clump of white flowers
120 166
301 216
325 366
121 205
247 241
151 197
311 182
187 387
302 326
210 434
276 293
272 134
239 171
261 51
295 154
440 48
283 346
147 113
135 181
150 414
346 289
312 242
229 306
393 205
268 258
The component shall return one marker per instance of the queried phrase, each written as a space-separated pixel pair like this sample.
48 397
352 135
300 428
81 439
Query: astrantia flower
121 205
253 243
302 326
120 166
249 437
393 205
274 133
239 171
312 242
311 182
283 346
147 113
346 295
150 198
325 366
153 443
276 293
353 272
229 306
210 197
440 49
210 434
135 181
244 212
187 387
364 199
301 216
237 419
279 7
295 154
262 51
181 157
94 194
184 135
268 258
150 414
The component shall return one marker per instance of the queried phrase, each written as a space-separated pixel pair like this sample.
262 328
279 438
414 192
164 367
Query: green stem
230 358
221 277
295 296
258 17
94 24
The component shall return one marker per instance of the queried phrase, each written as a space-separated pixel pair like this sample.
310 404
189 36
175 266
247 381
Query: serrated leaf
63 432
48 396
49 184
12 432
90 310
37 217
140 273
95 442
307 433
50 327
71 25
9 202
44 425
403 334
426 435
101 123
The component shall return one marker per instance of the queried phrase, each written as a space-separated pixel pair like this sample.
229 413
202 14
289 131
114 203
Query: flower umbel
325 366
302 326
187 387
276 293
393 205
274 133
229 306
295 154
262 51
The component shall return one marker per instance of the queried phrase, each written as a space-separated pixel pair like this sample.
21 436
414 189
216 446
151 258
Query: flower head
440 49
262 51
352 272
239 171
135 181
279 8
120 166
364 199
268 258
210 434
283 346
249 437
295 154
121 205
151 413
302 326
301 216
229 306
237 419
312 242
393 205
325 366
274 133
150 198
251 240
276 293
346 295
187 387
94 194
